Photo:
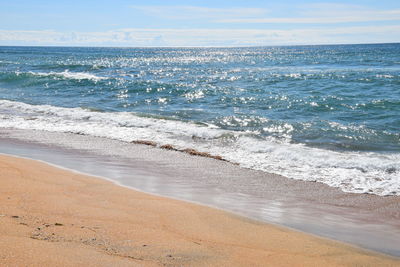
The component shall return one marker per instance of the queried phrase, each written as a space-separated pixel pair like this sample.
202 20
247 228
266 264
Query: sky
151 23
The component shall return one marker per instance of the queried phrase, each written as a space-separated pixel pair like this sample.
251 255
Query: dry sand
53 217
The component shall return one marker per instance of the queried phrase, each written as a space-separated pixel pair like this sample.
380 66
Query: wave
65 75
358 172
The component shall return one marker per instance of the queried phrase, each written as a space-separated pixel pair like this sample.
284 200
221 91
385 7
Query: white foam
360 172
69 75
384 76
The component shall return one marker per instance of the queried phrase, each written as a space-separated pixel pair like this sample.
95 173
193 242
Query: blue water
322 113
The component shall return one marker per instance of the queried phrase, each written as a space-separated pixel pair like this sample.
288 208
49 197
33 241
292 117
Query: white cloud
197 12
205 37
318 13
325 13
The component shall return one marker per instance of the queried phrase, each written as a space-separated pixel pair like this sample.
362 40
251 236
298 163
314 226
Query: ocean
328 114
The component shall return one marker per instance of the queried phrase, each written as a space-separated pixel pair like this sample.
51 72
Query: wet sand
364 220
51 216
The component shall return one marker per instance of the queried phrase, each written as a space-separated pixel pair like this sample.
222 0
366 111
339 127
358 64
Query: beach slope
54 217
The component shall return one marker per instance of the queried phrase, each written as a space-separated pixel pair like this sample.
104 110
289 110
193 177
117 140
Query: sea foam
67 75
358 172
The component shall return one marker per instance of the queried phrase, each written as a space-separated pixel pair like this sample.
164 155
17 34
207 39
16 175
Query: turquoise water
321 113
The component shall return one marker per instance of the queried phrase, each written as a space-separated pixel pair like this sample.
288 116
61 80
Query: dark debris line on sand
189 151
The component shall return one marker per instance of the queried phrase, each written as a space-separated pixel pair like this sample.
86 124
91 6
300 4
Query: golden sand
53 217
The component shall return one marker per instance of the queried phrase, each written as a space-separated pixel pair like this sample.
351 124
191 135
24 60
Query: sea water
329 114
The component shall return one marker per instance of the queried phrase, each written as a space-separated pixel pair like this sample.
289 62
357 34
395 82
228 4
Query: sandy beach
209 133
54 217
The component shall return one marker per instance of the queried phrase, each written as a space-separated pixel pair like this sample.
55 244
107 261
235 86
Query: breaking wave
352 171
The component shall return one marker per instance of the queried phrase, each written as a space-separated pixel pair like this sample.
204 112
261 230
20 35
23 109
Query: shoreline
60 217
352 169
367 221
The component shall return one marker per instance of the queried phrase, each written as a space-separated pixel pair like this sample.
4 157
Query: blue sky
197 23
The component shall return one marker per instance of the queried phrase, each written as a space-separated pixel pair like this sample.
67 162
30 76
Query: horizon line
245 46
